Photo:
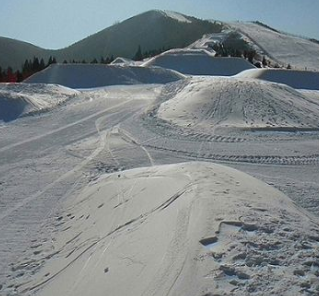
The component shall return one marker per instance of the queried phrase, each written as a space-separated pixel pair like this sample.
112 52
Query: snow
300 53
127 226
22 99
216 103
176 16
93 75
123 61
101 193
198 62
209 40
295 78
206 185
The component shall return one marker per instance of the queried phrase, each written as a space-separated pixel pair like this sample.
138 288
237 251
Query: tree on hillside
251 55
1 75
35 65
138 55
11 77
19 76
42 64
52 60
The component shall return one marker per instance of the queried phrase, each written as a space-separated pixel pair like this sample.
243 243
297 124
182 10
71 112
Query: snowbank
123 61
208 231
92 75
217 102
209 40
20 99
198 62
294 78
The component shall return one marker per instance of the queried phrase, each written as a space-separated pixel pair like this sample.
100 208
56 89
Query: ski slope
300 53
101 192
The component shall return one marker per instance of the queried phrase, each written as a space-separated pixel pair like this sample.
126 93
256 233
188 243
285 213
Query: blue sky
59 23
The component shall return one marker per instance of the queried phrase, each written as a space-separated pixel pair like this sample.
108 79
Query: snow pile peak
222 103
212 228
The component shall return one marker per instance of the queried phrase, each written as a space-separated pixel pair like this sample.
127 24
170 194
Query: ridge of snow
175 16
90 76
295 78
191 61
22 99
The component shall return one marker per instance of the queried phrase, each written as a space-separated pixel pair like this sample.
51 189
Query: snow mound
198 62
123 61
208 230
227 102
294 78
92 75
21 99
209 40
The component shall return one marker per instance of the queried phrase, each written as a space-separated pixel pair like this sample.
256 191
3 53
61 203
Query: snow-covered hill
300 53
88 75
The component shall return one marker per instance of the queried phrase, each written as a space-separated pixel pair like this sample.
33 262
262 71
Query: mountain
151 30
13 52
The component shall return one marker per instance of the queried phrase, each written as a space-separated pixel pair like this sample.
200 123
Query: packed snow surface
199 62
283 48
21 99
215 102
295 78
93 75
97 197
209 230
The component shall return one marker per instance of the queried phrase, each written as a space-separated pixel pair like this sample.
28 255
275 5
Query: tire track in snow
127 137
